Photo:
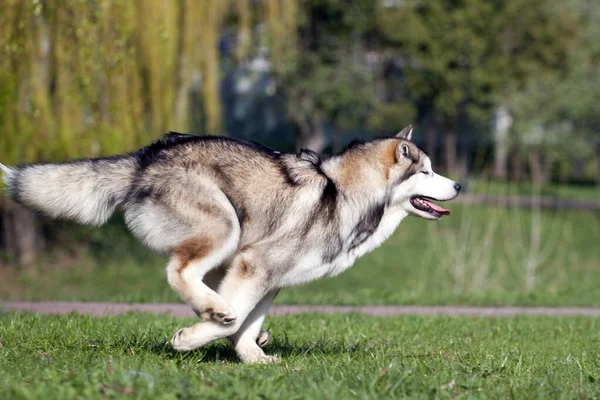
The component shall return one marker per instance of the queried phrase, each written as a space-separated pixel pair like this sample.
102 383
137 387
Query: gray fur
87 191
241 220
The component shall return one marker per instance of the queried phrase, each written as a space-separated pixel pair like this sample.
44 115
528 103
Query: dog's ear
405 133
403 152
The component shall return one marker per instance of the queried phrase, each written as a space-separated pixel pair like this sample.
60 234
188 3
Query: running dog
239 220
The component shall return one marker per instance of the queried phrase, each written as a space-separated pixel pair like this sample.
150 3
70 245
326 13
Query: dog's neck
356 177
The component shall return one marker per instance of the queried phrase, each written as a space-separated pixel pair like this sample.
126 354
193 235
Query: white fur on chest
311 267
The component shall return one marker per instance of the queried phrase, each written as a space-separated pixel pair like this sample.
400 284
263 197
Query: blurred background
503 95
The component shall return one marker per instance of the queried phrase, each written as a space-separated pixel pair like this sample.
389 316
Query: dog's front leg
243 287
249 339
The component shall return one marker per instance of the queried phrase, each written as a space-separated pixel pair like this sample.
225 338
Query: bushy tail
87 191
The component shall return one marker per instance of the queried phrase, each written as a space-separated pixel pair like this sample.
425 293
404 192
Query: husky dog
240 220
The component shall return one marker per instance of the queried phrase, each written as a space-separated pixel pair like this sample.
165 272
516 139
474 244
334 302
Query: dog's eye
425 172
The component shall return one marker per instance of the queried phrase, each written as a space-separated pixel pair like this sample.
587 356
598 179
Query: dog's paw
181 340
266 359
255 355
264 338
220 312
224 318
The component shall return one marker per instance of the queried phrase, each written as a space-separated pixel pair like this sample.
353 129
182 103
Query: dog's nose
457 187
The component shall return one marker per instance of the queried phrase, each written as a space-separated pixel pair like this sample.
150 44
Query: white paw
255 355
182 340
266 359
218 311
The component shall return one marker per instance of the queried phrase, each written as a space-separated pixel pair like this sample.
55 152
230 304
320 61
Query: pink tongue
437 208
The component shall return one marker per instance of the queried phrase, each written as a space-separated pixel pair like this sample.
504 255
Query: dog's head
414 185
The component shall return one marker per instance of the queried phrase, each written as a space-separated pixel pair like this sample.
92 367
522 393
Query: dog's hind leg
243 287
195 257
205 302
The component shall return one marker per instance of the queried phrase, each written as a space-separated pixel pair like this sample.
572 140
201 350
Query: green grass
479 256
574 192
337 357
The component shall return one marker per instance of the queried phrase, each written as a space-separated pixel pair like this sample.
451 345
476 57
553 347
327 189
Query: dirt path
181 310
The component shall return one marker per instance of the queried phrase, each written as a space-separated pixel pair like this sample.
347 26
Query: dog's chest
311 265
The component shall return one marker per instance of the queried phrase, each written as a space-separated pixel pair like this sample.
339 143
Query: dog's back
164 187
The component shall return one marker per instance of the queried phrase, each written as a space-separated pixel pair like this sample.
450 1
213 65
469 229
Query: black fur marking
152 153
409 172
272 220
327 206
241 213
367 225
329 198
225 184
112 201
310 156
141 193
156 150
333 249
13 190
240 210
287 176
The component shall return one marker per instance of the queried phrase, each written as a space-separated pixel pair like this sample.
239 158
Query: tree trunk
516 162
431 141
598 164
312 137
20 235
539 171
182 71
451 161
503 122
311 134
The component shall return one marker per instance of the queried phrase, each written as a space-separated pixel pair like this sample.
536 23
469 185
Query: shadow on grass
221 351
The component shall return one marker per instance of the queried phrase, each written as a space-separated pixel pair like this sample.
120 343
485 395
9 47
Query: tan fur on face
389 158
365 163
377 159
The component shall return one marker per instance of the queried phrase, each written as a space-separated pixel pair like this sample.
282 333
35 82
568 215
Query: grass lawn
337 357
479 255
575 192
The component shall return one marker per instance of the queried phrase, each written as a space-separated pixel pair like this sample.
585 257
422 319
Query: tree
447 49
583 85
86 79
322 71
556 111
464 57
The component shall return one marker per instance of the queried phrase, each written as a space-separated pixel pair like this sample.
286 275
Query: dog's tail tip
7 173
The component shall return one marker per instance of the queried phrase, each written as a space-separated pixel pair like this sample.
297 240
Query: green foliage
556 111
479 255
322 357
386 115
464 56
84 79
81 78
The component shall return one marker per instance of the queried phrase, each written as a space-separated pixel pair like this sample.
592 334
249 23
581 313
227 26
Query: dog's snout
457 187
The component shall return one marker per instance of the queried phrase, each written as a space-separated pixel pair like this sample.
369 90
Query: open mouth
427 205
